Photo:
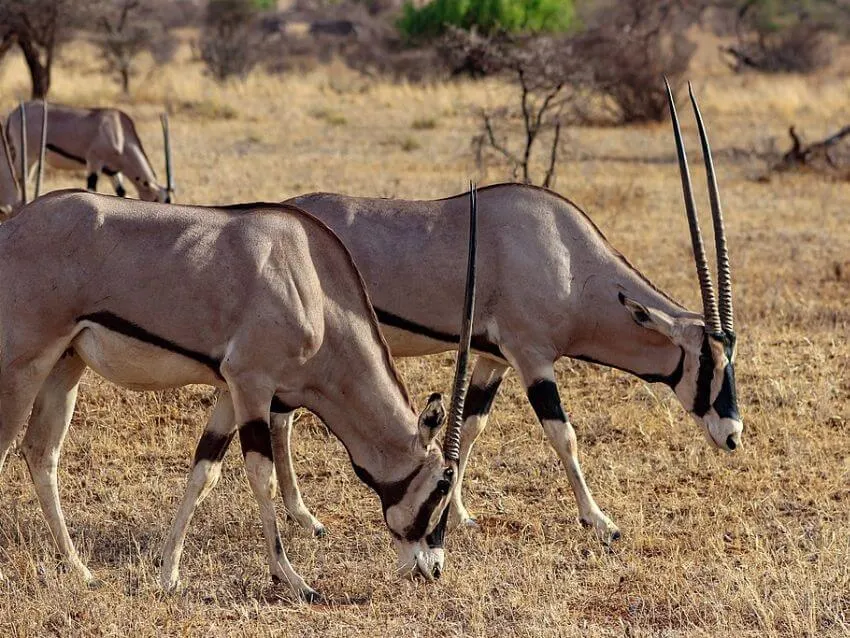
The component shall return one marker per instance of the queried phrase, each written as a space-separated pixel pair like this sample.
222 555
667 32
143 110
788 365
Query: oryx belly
135 364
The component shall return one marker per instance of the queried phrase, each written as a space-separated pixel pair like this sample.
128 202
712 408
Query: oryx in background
550 286
261 301
101 140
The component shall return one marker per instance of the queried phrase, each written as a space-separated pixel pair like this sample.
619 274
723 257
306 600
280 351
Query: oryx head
704 380
418 520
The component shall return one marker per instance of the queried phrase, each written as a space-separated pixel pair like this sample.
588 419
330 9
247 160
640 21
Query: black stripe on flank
212 447
544 398
279 407
134 331
255 436
479 400
479 342
64 153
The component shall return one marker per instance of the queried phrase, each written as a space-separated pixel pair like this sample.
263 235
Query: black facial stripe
419 527
726 403
437 538
255 436
212 447
130 329
389 493
479 400
479 342
702 399
544 398
65 154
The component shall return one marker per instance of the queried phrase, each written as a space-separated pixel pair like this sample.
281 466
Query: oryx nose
437 572
733 441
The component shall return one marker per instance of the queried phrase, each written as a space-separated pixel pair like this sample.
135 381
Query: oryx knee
255 439
91 182
546 402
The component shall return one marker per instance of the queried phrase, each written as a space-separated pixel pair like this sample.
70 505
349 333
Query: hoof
311 597
603 528
95 583
320 531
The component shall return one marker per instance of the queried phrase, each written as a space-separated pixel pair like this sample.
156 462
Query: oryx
550 286
261 301
101 140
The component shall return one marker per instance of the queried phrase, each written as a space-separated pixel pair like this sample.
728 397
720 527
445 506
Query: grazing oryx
550 286
261 301
103 140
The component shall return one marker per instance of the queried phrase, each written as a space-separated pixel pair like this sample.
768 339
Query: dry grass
751 544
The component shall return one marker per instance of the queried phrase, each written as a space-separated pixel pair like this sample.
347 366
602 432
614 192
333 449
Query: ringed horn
23 154
169 174
451 444
41 149
716 322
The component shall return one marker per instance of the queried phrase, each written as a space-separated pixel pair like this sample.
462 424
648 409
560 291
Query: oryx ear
649 317
431 419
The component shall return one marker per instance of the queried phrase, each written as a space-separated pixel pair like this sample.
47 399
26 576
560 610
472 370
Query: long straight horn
23 154
724 271
709 301
166 136
451 446
40 174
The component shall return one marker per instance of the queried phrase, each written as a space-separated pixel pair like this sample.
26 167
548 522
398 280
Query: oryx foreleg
281 429
546 402
251 407
48 424
206 470
93 169
486 378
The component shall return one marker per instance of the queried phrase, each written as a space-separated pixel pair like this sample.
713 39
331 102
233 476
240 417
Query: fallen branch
800 155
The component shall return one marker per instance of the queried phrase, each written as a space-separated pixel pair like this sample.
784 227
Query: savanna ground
755 543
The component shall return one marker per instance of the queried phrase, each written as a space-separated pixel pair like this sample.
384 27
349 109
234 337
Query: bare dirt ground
750 544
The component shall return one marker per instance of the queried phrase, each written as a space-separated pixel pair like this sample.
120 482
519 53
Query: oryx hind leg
206 470
542 392
118 184
486 378
281 429
251 405
48 424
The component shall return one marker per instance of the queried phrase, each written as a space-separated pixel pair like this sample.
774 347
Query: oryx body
99 140
261 301
549 286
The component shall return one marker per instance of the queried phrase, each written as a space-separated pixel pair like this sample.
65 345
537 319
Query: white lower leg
563 438
204 476
261 476
281 429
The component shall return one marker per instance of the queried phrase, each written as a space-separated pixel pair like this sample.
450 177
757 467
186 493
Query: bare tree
39 27
231 42
128 28
549 83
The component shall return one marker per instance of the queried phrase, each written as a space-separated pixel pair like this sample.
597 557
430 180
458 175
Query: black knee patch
479 399
120 191
212 447
544 398
91 182
255 436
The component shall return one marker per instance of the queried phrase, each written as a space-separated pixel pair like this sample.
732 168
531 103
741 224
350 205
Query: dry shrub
231 40
802 48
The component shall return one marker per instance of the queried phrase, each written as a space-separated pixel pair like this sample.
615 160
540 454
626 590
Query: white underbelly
138 365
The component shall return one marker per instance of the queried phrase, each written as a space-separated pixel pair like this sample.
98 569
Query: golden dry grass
750 544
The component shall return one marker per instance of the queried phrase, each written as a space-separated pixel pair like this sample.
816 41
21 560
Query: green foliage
488 16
